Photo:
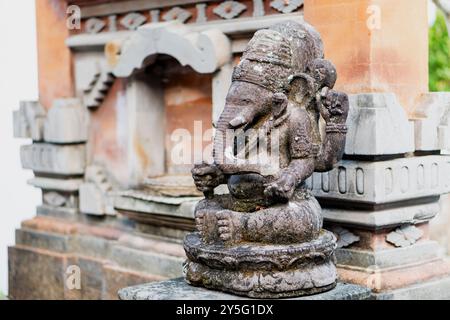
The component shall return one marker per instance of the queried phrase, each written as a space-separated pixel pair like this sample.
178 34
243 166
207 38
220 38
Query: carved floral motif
229 9
226 10
404 236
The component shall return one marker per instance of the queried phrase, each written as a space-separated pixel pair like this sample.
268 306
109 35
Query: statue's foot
206 223
230 226
200 223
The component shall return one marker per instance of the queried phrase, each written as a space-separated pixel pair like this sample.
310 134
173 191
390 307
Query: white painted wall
18 81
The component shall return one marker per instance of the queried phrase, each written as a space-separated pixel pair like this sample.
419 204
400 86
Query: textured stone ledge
178 289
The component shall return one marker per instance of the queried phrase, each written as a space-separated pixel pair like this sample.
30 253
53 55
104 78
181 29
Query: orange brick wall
54 57
391 58
188 98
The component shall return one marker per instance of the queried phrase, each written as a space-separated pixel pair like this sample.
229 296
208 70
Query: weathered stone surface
344 237
55 159
66 122
93 78
384 181
438 289
439 229
68 185
141 201
91 200
386 279
51 245
177 289
229 9
432 122
221 83
382 218
43 240
145 114
116 278
57 199
172 186
147 262
29 121
264 239
388 258
45 282
262 271
97 192
377 117
259 257
404 236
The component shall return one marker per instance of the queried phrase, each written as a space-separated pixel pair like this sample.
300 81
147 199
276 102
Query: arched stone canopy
204 51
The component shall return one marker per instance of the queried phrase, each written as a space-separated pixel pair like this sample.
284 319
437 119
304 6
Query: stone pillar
381 197
54 57
57 155
377 45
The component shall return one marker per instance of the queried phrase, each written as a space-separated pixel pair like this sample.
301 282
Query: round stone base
264 284
262 271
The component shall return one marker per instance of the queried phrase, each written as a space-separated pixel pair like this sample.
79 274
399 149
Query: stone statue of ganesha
264 239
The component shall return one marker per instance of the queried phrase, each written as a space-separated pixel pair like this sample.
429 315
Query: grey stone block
55 159
29 121
373 120
66 213
384 181
382 218
43 240
66 185
138 201
96 247
147 262
436 289
97 193
432 122
387 258
178 289
204 51
66 122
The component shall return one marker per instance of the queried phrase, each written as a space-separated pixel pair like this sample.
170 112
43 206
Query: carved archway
205 51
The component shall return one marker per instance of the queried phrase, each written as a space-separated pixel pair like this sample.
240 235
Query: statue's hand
283 188
207 177
334 107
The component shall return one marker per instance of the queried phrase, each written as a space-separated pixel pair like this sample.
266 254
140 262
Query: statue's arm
334 110
302 161
300 146
207 177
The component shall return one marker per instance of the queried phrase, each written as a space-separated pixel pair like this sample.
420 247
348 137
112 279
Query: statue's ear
301 87
279 104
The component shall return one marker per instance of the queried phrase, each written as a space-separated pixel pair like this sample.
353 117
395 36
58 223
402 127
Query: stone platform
178 289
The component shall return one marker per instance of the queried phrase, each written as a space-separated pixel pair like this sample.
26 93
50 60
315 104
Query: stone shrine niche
154 86
188 114
152 99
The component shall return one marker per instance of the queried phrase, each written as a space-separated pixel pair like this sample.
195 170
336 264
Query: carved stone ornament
404 236
344 237
94 25
229 9
204 51
133 20
265 239
286 6
178 14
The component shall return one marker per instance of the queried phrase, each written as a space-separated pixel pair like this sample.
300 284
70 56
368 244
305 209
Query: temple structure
130 92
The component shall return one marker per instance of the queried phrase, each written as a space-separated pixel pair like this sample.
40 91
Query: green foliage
439 63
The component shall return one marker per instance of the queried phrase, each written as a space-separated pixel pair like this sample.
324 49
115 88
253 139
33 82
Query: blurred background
18 81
